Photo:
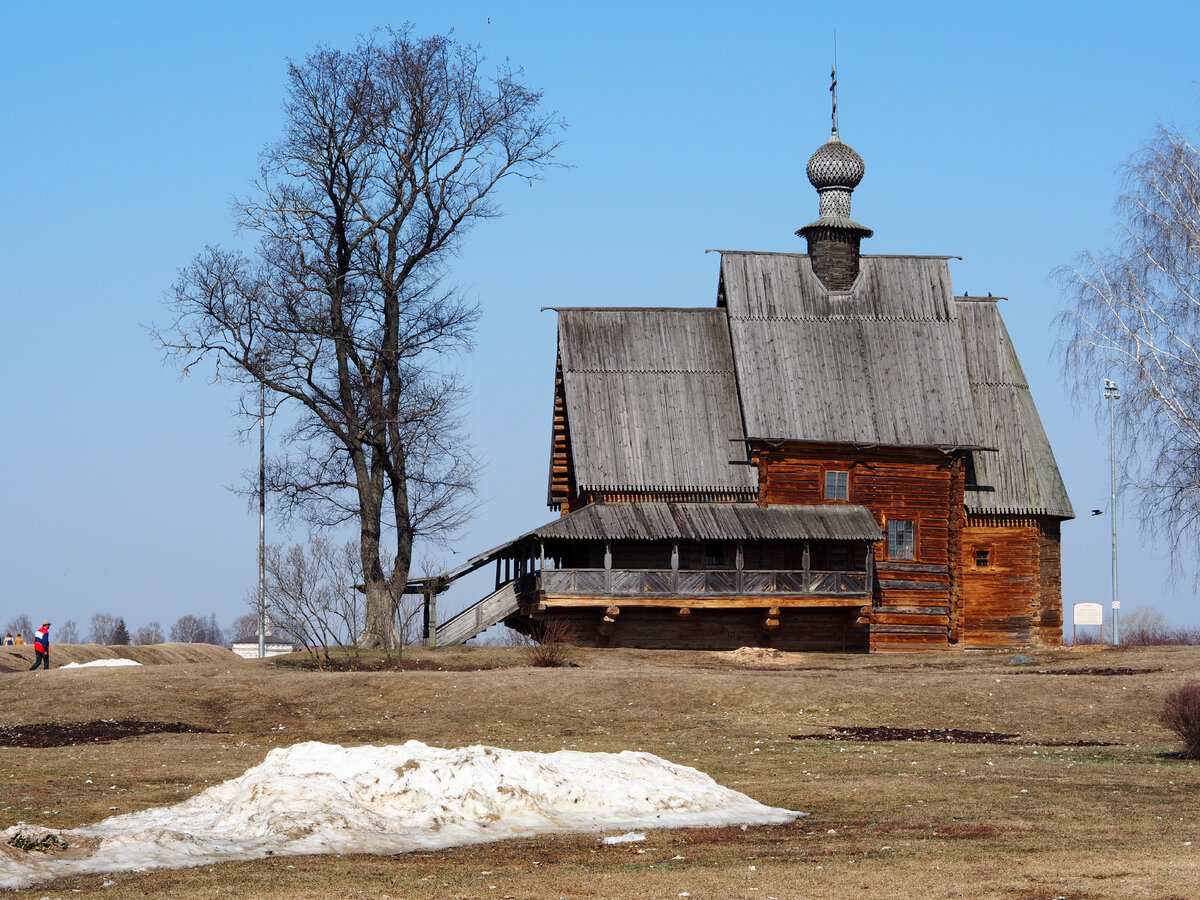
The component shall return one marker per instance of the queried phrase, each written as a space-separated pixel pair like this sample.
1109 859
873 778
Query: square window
981 558
837 485
901 541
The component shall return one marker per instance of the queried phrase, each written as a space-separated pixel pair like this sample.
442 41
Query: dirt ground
1081 794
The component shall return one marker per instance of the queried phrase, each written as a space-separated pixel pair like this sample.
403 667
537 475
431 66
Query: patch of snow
316 798
630 837
101 662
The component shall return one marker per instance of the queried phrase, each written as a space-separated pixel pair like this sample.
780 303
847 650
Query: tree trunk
381 628
382 602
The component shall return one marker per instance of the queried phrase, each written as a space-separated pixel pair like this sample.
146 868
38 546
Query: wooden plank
898 585
883 618
880 630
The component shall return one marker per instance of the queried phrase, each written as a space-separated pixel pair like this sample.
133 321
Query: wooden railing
651 582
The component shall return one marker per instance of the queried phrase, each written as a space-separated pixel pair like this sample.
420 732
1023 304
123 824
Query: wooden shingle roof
652 401
712 521
1021 476
881 364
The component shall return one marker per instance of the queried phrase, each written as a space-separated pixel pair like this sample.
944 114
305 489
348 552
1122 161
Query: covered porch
613 570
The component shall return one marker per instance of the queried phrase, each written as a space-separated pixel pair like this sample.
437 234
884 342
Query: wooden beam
708 602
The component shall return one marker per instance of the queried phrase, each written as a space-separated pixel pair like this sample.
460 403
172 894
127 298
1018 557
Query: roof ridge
861 255
842 317
1017 384
648 371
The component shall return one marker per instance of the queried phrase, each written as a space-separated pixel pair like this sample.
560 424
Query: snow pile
323 798
101 662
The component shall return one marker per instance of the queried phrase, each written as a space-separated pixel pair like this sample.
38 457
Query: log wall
916 603
1016 599
939 599
830 630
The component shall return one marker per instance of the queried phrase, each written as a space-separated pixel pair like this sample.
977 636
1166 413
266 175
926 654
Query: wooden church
840 454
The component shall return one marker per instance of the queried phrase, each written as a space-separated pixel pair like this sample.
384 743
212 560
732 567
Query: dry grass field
1089 799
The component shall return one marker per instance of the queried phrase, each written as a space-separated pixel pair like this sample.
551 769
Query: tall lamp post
1112 395
262 520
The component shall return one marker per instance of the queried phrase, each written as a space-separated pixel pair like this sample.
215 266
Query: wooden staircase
479 617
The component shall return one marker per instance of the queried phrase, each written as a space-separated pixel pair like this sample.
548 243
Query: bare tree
103 629
245 628
67 633
311 596
1134 317
21 625
150 633
391 151
191 629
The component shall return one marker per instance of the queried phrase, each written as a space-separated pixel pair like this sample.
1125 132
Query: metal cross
833 91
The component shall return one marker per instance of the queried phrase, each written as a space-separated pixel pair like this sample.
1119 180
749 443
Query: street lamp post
262 520
1112 395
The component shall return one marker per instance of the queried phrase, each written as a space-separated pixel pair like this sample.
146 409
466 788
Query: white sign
1089 614
1116 604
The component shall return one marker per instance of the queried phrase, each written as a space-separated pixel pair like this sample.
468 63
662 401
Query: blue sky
992 132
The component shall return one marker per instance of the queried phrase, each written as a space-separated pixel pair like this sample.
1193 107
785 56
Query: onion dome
835 170
835 165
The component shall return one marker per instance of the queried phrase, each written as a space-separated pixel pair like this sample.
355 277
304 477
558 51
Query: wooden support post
674 567
608 567
497 573
542 546
807 584
739 581
870 570
431 615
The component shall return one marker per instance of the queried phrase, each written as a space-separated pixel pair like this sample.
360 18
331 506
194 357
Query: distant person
41 647
18 640
8 640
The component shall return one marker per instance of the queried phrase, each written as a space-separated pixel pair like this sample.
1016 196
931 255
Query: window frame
986 552
841 479
897 530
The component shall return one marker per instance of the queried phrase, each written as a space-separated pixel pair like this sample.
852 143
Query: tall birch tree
1133 316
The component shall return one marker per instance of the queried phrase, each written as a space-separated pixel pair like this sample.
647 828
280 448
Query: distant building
249 649
839 455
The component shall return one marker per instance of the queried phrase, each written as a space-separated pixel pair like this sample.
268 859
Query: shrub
1147 627
554 642
1181 714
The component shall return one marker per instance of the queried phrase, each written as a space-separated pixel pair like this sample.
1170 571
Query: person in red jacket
41 647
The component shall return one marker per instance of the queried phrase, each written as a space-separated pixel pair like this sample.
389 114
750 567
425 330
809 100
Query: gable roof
651 401
1021 475
664 399
881 364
